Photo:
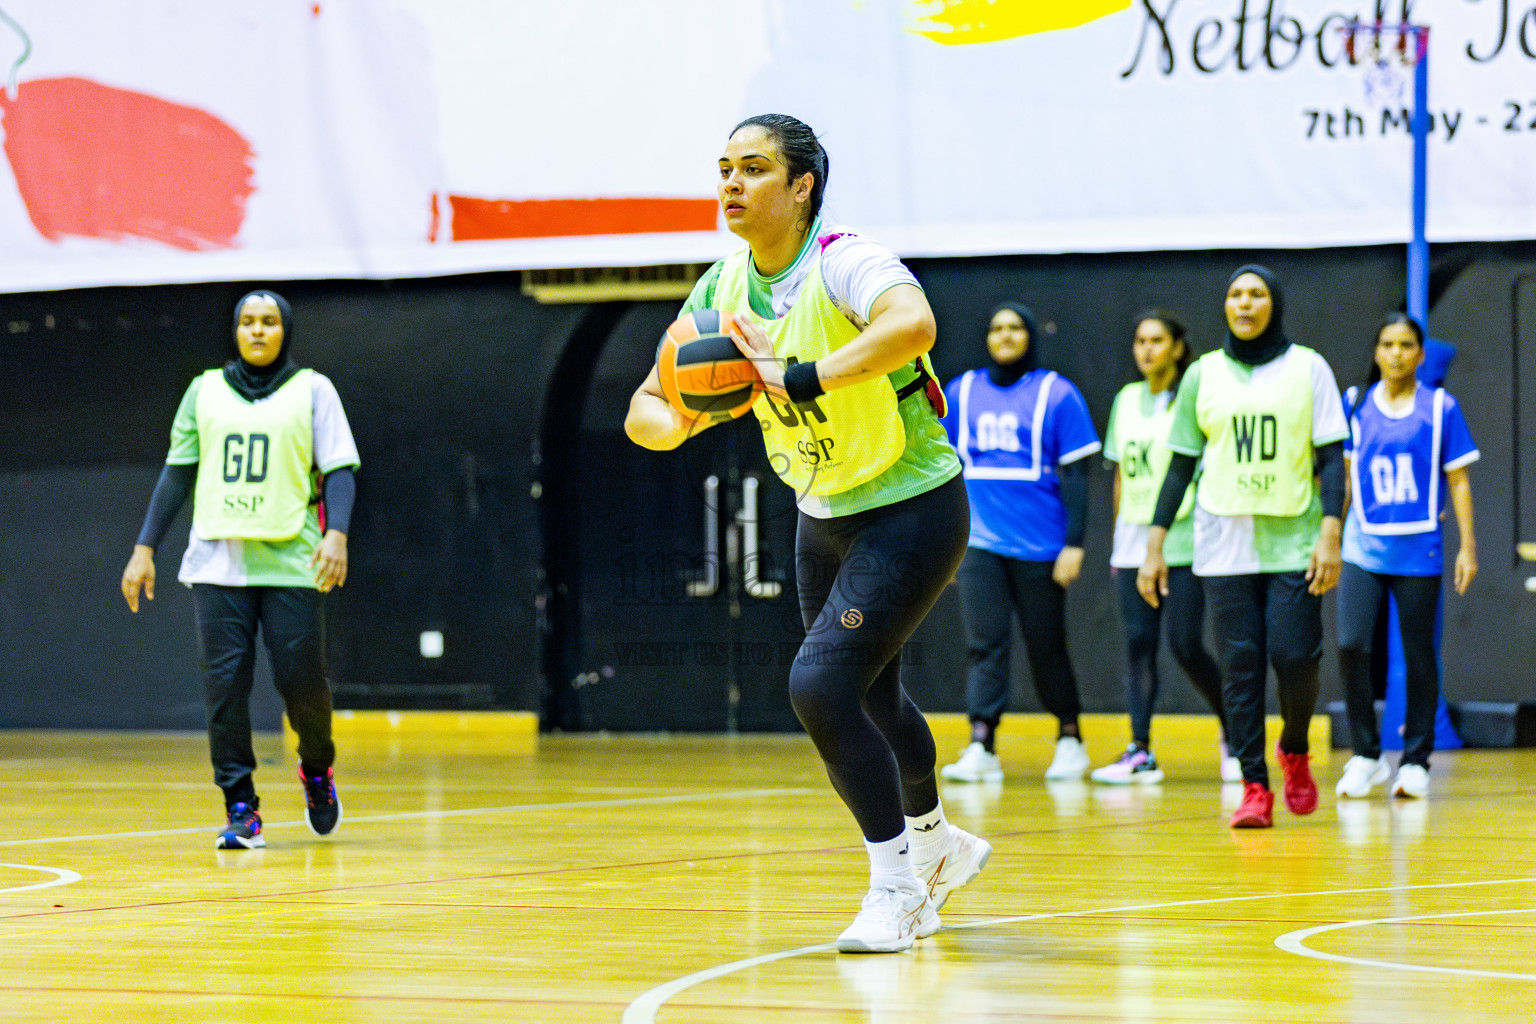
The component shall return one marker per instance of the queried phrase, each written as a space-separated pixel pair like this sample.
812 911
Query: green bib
841 439
253 470
1141 436
1258 453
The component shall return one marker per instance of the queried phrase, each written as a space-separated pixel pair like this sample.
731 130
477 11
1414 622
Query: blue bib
1395 470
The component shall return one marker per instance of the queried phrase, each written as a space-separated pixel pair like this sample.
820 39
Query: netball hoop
1391 54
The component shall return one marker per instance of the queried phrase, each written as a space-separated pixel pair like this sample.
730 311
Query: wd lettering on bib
840 439
1266 428
253 476
1258 454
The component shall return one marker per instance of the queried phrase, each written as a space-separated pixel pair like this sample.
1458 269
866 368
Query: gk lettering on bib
1258 455
1144 456
253 473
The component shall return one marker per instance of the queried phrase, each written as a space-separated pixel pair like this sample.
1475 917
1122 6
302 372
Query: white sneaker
976 764
889 920
1361 775
1071 760
1231 767
1412 781
963 861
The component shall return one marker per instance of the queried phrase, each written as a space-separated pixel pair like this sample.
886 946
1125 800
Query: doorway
672 604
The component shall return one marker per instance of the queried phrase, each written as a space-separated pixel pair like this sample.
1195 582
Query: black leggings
866 581
293 626
1185 614
993 589
1257 616
1360 600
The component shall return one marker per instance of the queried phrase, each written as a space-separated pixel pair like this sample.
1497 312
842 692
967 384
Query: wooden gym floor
484 874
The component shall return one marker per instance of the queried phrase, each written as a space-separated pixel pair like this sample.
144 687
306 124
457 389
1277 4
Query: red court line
1087 827
477 219
535 874
341 997
491 1001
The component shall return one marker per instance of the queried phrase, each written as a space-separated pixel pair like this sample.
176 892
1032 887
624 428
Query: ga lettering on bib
253 473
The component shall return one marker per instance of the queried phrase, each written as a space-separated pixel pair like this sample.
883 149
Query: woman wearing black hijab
249 439
1024 436
1266 418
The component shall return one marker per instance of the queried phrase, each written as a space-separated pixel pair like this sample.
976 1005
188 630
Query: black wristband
801 383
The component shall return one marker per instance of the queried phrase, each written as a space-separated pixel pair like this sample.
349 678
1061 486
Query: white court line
1294 942
637 801
643 1010
65 877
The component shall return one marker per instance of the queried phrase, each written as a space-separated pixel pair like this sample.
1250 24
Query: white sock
930 834
890 863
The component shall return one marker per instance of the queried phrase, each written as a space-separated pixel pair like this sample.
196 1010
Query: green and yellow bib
1141 435
843 438
1258 454
253 471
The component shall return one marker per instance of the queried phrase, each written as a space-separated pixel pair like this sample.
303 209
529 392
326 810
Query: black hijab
257 382
1273 342
1007 374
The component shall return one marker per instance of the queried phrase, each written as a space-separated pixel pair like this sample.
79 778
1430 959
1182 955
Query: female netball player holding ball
248 437
1408 446
1267 417
839 330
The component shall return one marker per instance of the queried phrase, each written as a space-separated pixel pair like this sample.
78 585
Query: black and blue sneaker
243 832
322 811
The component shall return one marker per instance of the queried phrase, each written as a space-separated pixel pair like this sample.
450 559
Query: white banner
195 140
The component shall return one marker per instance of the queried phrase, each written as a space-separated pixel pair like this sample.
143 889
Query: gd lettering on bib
253 471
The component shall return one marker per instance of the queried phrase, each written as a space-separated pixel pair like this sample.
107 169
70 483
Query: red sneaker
1258 808
1300 789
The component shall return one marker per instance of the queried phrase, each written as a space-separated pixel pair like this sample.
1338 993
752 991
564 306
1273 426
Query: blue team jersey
1011 441
1397 478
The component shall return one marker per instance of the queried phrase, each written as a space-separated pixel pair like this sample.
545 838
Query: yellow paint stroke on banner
966 22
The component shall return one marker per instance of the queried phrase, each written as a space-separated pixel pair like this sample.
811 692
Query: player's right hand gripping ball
702 372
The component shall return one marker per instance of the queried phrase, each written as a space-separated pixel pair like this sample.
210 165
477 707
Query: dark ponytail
801 150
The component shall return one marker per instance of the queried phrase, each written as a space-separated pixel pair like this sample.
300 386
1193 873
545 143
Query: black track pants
1360 605
292 626
1184 611
866 581
993 589
1257 618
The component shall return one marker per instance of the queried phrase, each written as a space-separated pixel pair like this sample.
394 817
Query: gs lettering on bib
1258 454
989 444
842 438
253 474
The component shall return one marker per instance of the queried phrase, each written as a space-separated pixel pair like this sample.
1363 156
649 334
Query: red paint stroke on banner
99 162
482 219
